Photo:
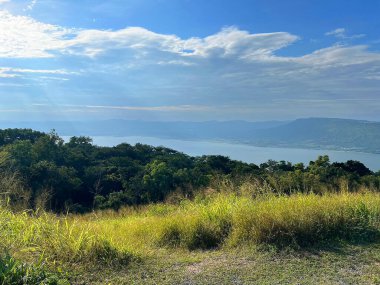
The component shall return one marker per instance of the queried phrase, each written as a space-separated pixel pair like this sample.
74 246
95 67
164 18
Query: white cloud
341 56
234 42
24 37
31 5
9 72
341 33
230 42
177 108
45 71
169 108
94 42
175 62
4 1
7 75
232 68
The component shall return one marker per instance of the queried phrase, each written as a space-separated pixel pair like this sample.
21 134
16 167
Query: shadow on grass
341 247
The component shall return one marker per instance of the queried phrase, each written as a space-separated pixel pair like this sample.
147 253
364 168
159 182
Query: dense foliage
13 272
42 171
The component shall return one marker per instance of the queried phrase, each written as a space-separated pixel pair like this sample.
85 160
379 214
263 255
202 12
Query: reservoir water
246 153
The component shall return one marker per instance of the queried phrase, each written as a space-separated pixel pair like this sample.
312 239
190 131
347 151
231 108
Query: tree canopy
79 176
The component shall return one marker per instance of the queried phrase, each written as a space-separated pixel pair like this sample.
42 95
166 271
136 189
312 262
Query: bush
196 234
204 235
103 252
200 226
13 272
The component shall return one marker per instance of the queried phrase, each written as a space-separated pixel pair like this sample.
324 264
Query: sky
191 60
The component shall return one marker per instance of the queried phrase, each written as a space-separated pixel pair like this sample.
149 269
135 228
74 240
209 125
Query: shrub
103 252
199 226
192 234
204 235
13 272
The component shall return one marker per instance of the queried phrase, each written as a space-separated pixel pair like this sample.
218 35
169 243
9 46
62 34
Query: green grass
60 244
346 264
232 221
221 235
44 236
13 272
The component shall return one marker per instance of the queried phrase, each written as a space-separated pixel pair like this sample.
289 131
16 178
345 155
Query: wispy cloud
9 72
174 108
178 108
31 5
341 33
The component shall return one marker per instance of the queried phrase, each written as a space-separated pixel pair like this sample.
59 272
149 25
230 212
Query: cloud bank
232 74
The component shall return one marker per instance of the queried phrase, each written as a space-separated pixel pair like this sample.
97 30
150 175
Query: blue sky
189 59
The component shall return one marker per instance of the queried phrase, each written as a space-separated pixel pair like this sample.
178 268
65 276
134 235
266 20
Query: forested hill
39 170
320 133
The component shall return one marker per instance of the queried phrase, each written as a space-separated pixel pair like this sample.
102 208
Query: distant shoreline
241 151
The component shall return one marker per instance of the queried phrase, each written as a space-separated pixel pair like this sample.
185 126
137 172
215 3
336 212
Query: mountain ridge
312 133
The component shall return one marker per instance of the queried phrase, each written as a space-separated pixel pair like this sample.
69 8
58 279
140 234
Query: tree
158 180
60 181
355 167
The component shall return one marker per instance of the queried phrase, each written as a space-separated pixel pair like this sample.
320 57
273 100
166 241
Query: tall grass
208 222
231 220
34 244
303 220
54 240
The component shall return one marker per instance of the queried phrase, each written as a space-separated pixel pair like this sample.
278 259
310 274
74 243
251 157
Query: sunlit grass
35 237
218 221
227 220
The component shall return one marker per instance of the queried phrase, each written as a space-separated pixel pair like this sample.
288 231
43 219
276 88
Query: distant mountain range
323 133
315 133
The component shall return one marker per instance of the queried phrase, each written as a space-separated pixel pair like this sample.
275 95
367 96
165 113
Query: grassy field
214 239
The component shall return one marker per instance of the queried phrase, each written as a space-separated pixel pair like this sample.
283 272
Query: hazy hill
228 130
324 133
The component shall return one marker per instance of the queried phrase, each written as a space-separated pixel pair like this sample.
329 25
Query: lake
246 153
